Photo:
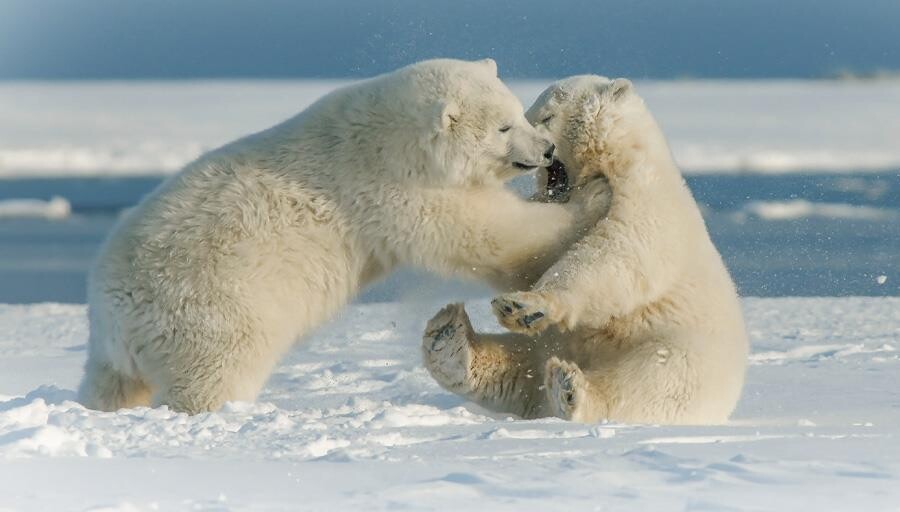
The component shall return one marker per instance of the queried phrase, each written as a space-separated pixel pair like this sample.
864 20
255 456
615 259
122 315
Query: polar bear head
599 125
461 124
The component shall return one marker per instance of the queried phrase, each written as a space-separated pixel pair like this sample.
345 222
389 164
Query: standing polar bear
199 290
639 321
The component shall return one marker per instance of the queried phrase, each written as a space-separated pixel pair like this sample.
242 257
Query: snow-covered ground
145 127
53 209
803 209
351 420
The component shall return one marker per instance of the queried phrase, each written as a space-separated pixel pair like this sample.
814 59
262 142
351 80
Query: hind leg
194 382
193 395
105 389
496 371
650 383
570 393
205 385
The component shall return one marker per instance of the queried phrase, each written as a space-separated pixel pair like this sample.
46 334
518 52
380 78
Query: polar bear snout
540 155
549 153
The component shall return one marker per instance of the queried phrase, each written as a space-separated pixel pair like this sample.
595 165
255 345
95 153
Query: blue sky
119 39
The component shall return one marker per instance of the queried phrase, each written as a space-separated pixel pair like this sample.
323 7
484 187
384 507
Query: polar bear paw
566 388
445 347
522 312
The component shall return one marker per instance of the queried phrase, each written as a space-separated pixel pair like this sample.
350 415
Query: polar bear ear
619 87
491 66
607 93
447 114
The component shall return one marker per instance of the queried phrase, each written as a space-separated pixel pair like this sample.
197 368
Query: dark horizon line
836 76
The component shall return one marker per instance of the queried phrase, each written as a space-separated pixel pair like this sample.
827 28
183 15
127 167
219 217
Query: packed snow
351 420
800 208
55 208
138 128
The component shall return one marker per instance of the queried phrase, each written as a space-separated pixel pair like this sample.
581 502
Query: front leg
487 233
528 313
588 203
484 232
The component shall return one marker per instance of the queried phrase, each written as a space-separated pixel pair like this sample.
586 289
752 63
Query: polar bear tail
106 389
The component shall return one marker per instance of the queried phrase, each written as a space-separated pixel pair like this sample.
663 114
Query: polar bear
639 321
201 288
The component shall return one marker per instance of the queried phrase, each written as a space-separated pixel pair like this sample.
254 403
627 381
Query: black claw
518 305
440 334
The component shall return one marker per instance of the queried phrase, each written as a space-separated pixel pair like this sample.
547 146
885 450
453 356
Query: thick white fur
202 287
639 321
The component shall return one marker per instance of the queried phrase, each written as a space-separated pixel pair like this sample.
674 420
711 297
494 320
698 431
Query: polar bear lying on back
639 321
201 288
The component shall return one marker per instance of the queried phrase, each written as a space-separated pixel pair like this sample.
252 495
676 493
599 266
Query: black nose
549 153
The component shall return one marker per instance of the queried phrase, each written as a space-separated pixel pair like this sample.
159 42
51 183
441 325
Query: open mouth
557 182
525 167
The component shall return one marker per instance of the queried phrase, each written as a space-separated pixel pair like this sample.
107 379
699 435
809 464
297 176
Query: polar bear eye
546 119
505 129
